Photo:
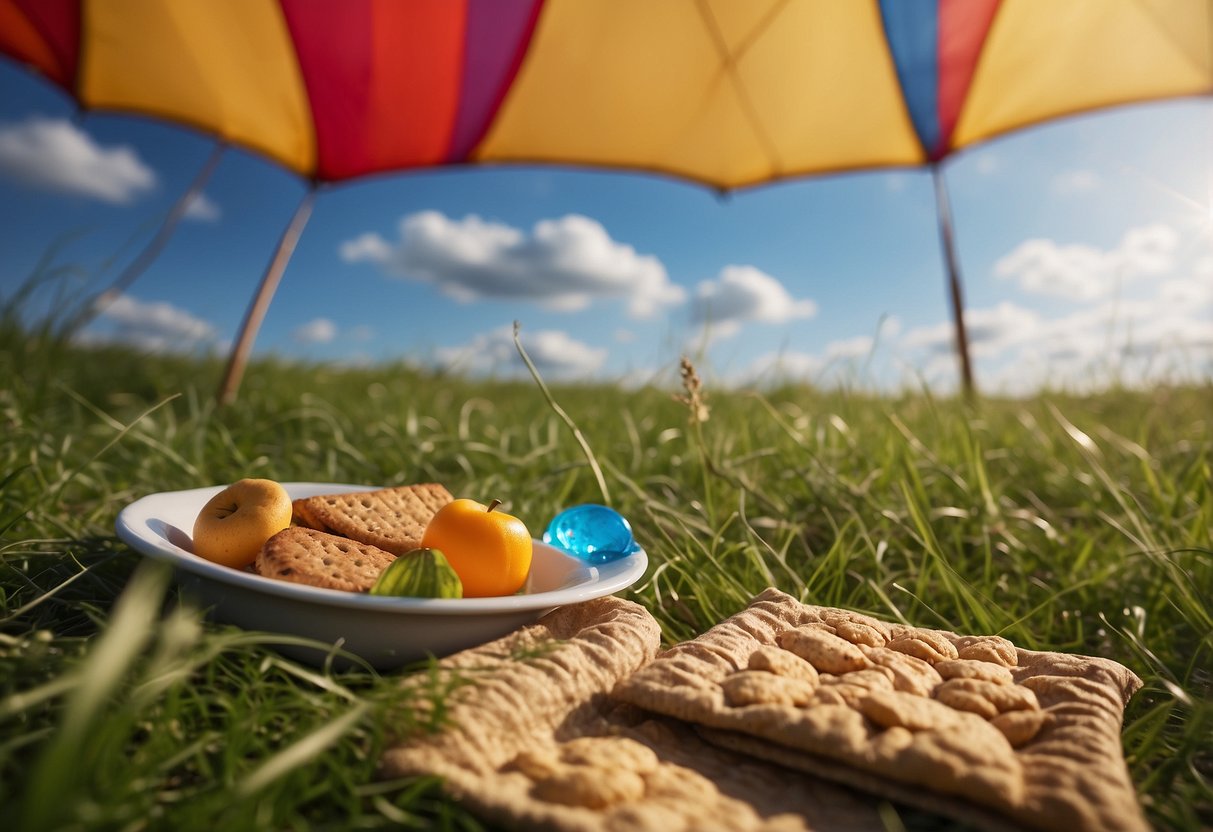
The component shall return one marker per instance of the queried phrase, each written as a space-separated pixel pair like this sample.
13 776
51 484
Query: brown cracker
316 558
928 645
1059 767
532 741
910 673
973 669
788 665
994 649
827 652
301 515
752 687
393 519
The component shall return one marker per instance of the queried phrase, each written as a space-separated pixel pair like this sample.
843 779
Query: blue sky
1086 247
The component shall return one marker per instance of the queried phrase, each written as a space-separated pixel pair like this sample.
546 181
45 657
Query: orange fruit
489 550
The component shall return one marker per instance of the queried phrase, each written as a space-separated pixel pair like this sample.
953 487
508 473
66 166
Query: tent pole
152 250
947 239
261 301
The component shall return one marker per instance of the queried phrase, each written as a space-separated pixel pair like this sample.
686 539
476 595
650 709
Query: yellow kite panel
225 66
805 86
825 91
1046 58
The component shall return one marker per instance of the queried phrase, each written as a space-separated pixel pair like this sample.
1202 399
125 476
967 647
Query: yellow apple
235 523
489 550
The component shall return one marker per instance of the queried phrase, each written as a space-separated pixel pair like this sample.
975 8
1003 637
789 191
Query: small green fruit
420 573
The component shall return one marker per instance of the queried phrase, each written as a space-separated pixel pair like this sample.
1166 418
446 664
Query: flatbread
533 742
967 726
392 519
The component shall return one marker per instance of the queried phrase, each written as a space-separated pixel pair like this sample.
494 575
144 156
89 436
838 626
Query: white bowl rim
145 525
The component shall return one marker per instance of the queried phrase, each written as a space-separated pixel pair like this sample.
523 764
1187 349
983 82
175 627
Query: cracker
316 558
910 673
1037 746
532 741
301 515
971 669
928 645
393 519
993 649
757 687
783 663
827 652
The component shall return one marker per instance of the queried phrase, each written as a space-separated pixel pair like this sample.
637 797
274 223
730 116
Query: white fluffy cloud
563 263
368 247
989 331
1163 335
325 331
743 294
850 348
203 208
553 352
1085 273
318 331
154 326
844 359
55 155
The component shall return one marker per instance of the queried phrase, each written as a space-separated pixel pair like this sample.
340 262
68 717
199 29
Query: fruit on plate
489 550
235 523
421 573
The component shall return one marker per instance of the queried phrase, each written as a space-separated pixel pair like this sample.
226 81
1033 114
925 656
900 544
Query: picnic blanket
580 722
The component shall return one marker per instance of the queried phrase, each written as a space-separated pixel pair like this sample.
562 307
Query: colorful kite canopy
725 92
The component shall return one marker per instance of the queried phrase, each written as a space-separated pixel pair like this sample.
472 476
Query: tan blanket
533 742
968 726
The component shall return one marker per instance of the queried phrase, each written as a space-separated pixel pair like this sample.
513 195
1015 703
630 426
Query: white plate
386 632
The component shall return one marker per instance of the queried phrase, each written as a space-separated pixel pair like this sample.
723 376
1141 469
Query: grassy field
1071 523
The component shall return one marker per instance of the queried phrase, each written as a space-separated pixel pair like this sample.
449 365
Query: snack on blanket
968 726
531 741
316 558
392 519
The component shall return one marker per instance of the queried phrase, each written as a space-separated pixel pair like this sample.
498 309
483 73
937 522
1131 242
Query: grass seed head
695 398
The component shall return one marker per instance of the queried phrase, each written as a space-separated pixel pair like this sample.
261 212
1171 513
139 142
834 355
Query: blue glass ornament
593 533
